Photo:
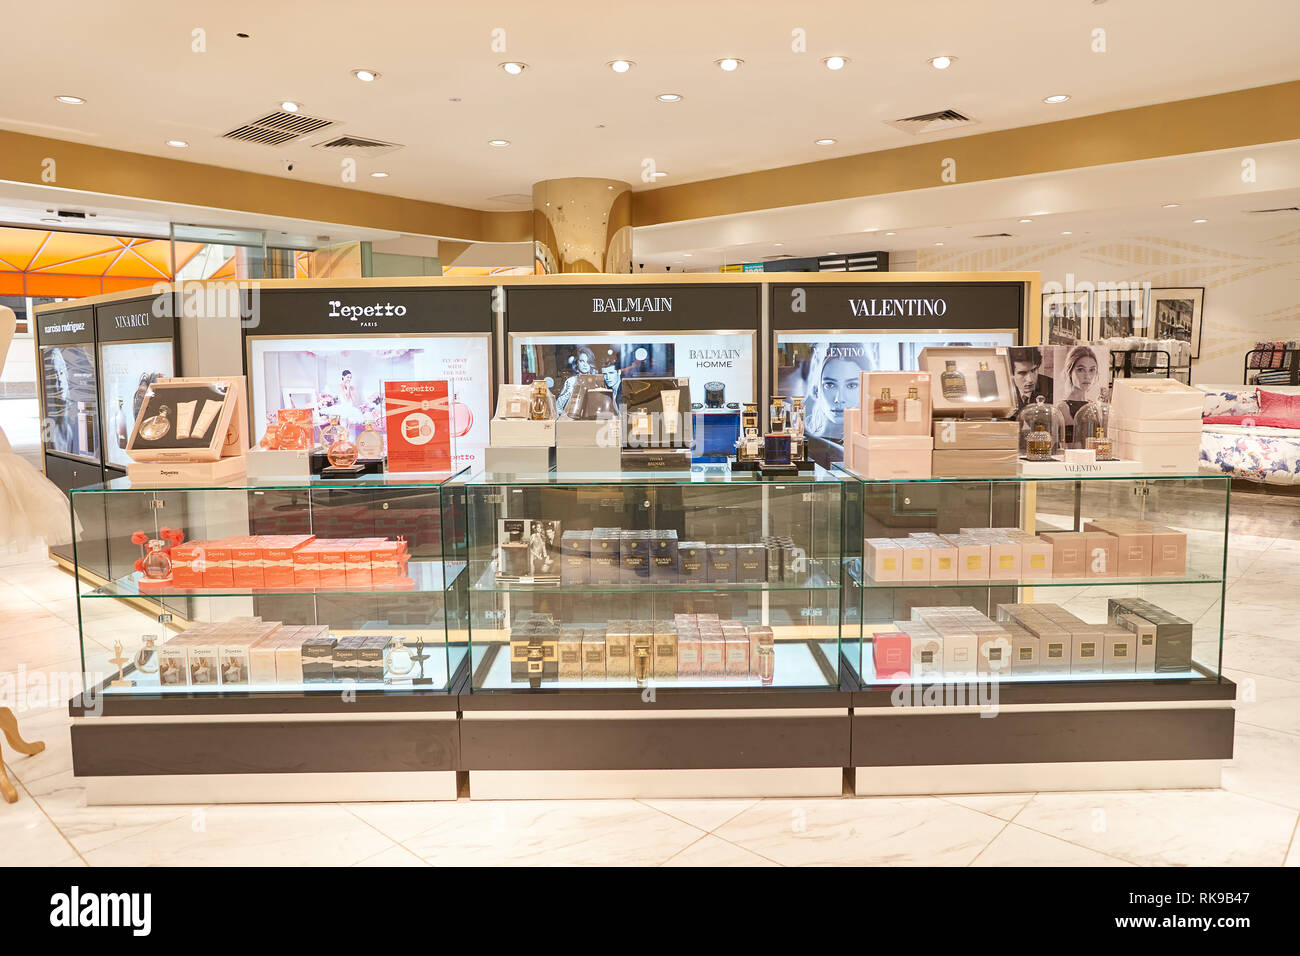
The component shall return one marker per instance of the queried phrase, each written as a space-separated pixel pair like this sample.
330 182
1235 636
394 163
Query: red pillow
1278 405
1258 421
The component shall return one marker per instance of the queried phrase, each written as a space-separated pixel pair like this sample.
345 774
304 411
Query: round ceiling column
582 225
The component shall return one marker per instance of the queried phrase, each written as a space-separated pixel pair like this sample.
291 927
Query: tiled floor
1252 820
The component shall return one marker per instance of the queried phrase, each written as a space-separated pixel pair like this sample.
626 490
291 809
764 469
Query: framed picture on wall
1119 313
1066 317
1176 314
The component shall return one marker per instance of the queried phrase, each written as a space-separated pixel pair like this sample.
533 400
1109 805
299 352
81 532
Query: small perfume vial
952 382
1103 446
776 414
912 406
885 408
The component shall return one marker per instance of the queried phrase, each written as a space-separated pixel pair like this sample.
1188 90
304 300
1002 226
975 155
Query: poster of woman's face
71 418
1080 374
127 369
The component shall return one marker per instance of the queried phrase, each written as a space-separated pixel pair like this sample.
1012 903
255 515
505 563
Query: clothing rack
1144 363
1272 365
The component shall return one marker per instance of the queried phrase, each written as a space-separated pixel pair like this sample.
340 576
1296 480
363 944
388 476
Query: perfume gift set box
1112 548
1157 422
688 647
889 434
1162 637
190 431
290 562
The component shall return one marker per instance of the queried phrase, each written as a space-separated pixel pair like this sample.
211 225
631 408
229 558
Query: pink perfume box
883 559
892 655
737 655
972 558
892 456
1103 555
870 386
1004 559
943 556
916 559
713 654
1035 558
1069 553
688 655
1168 551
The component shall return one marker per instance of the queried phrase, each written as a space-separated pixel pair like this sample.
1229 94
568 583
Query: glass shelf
426 577
1020 479
698 475
385 482
816 580
854 573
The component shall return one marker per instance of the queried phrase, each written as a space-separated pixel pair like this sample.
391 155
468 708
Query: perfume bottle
146 658
776 448
777 414
539 409
798 423
714 394
766 660
641 660
292 435
885 408
157 565
986 382
399 662
912 406
158 425
1038 444
123 429
952 382
331 432
370 444
750 442
343 452
1103 446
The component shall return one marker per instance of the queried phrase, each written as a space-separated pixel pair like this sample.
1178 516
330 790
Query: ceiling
442 94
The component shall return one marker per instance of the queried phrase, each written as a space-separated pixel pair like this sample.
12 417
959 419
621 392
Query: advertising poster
71 422
824 368
418 425
345 377
127 369
704 359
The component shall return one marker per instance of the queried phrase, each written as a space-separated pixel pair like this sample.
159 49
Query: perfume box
516 433
593 654
606 561
173 663
347 658
751 564
664 665
1088 651
277 658
306 566
891 655
887 457
883 559
318 659
1132 552
759 634
960 434
570 653
972 558
388 559
1055 651
927 653
575 557
356 565
233 655
1004 559
1121 650
737 646
942 564
996 650
663 556
975 463
688 654
1024 650
1173 651
1155 399
214 561
205 662
370 659
332 563
187 565
1144 640
1102 558
1035 558
634 557
960 653
618 651
722 563
713 654
277 557
189 420
898 414
1168 551
969 380
247 569
261 655
915 559
1069 553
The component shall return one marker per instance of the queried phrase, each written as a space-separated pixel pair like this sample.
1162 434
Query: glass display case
706 578
277 586
1023 579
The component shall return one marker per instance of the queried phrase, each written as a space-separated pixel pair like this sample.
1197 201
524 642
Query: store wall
1250 272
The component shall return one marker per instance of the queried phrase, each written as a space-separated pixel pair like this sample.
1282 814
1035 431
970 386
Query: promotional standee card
418 418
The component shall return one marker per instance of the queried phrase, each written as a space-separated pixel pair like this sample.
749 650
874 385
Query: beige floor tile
712 851
705 814
1018 846
393 856
1266 701
1265 765
1004 806
27 838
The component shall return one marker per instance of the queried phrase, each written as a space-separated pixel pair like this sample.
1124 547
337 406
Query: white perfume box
1088 651
927 655
280 463
916 559
516 432
1144 641
1121 651
960 654
1035 558
174 663
1004 560
996 651
883 559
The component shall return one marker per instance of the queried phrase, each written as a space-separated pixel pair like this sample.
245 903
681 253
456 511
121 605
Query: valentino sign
895 308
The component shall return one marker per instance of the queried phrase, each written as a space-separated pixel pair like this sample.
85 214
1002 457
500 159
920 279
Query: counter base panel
202 789
650 784
1037 777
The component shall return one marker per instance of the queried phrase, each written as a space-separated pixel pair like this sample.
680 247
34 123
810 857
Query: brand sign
373 311
142 318
65 327
584 308
894 308
359 313
917 306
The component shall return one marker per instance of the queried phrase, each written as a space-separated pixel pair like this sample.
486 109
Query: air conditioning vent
360 146
71 214
1260 212
512 199
994 235
278 128
938 122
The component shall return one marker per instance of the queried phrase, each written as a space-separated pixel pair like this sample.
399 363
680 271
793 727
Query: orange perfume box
277 558
306 565
218 566
185 574
356 564
247 568
332 558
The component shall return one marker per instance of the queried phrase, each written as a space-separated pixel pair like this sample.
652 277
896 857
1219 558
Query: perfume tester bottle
986 381
370 444
952 382
885 408
1038 444
1103 446
912 406
777 414
539 409
798 423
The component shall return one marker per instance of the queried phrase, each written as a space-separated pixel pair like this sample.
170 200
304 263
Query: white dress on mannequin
32 508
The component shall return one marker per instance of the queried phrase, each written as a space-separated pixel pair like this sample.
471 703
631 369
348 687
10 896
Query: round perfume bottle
1041 430
399 662
343 452
1091 428
158 425
146 658
157 565
370 444
539 409
331 432
714 394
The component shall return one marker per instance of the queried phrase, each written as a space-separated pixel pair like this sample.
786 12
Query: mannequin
32 508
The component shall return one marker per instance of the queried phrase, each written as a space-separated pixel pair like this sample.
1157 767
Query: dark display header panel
68 327
148 317
370 311
654 308
910 305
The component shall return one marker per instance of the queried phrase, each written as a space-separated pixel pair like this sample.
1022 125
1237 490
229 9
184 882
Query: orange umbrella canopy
67 264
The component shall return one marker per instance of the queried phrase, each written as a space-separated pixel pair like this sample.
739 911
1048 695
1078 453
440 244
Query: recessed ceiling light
938 243
379 174
825 142
67 100
778 243
289 106
620 66
1200 220
728 64
178 143
670 97
1171 205
1067 233
366 76
514 68
53 222
499 143
1025 220
891 233
688 254
835 62
942 62
659 174
1056 98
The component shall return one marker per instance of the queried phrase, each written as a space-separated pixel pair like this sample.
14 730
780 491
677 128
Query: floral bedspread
1270 455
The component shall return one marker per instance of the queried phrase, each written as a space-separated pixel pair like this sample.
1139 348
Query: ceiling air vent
278 128
938 122
1260 212
513 199
71 214
994 235
359 146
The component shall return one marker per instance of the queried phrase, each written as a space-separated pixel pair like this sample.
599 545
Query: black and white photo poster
1176 314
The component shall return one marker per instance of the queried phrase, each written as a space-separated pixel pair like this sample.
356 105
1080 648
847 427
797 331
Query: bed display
1252 433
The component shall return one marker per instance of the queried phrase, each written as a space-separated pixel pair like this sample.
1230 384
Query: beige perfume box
1168 550
593 654
1024 650
927 651
1121 651
996 650
618 651
905 419
1155 399
1069 553
972 558
688 655
943 557
1103 555
1088 651
957 434
1035 558
985 392
1055 652
975 463
1144 641
960 653
570 651
737 655
916 559
713 654
883 559
1004 559
664 665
